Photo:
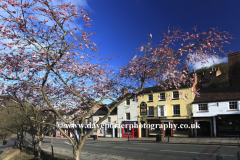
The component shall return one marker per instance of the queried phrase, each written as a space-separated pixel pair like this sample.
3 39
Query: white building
107 127
127 116
217 112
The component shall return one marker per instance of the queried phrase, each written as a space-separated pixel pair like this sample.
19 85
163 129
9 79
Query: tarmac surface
226 141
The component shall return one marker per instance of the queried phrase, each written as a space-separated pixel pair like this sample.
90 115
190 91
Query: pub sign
143 108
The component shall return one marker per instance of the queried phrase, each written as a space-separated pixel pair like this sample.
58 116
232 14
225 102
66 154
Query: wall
185 106
234 69
124 108
214 110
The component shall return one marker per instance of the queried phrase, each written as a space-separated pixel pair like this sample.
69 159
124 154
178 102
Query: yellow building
160 110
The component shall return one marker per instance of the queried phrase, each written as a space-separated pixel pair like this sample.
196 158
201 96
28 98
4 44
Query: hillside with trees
218 81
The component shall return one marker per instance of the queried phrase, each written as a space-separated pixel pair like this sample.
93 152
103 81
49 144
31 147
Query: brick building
234 68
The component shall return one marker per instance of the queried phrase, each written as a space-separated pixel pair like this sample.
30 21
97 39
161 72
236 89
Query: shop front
130 129
183 128
228 125
67 132
169 127
206 126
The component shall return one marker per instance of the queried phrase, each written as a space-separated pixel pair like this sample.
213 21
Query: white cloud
83 3
210 62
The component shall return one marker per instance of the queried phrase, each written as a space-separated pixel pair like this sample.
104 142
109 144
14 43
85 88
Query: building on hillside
166 107
217 112
127 113
107 127
208 76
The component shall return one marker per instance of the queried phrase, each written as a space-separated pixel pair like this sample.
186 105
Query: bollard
168 137
238 155
219 157
4 142
195 158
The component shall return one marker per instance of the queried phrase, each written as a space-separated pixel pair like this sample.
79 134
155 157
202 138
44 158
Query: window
175 95
203 107
150 98
162 96
151 111
99 118
176 110
109 120
156 128
127 116
233 105
161 111
109 131
60 133
127 130
87 120
128 102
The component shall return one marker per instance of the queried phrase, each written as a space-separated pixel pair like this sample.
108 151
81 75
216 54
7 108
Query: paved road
151 151
148 151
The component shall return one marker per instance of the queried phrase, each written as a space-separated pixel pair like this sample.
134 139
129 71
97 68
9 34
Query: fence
220 157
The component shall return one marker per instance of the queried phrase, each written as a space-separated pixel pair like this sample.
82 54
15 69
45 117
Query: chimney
234 69
124 91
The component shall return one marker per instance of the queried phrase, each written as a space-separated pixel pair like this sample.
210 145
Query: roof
103 111
218 94
159 89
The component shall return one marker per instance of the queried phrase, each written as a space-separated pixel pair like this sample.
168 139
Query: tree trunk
77 151
33 144
18 141
21 142
52 144
39 148
40 140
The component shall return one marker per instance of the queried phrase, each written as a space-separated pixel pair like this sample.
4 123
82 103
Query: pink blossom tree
47 56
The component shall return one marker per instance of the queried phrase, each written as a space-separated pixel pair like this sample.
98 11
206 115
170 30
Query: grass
27 154
8 151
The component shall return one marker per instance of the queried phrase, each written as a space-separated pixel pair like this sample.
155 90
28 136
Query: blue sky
123 25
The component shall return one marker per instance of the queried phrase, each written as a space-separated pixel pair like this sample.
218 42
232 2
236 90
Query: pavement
226 141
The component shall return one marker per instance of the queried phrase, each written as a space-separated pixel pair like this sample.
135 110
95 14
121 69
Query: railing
220 157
